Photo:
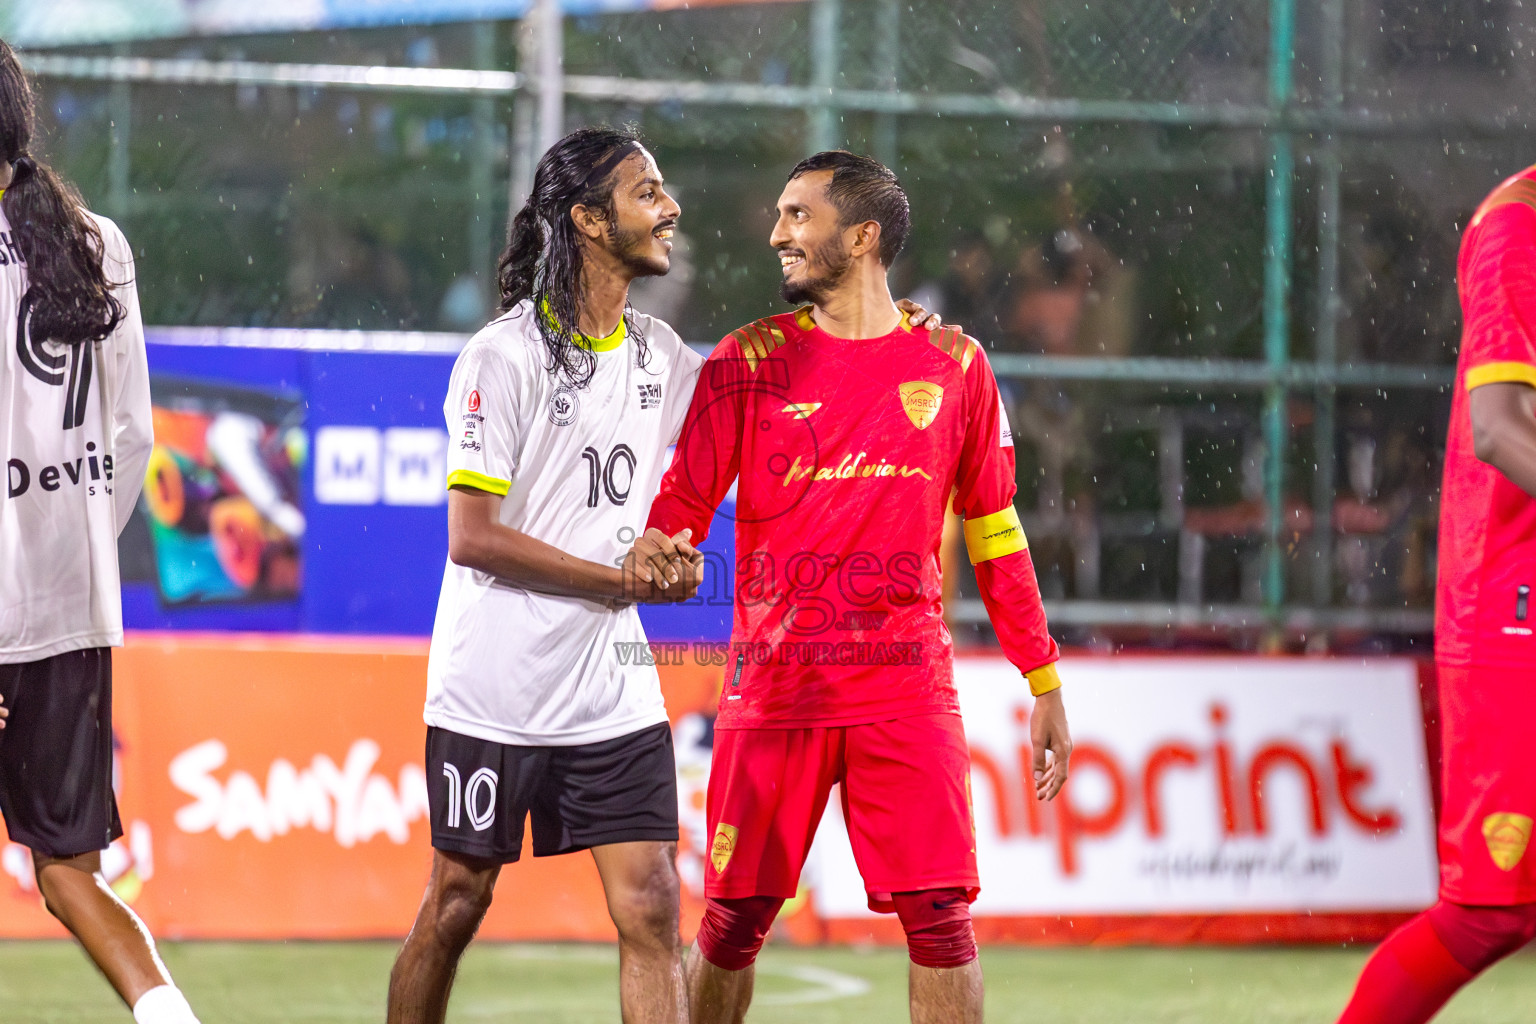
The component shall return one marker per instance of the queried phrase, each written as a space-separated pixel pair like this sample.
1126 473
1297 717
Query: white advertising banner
1198 786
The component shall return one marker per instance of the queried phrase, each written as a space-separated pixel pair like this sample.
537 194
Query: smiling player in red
1485 635
848 432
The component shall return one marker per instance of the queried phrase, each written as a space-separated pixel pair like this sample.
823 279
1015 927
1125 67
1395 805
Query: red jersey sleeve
708 454
984 490
1498 284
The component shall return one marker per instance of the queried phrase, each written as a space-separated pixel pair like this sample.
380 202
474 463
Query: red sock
1407 979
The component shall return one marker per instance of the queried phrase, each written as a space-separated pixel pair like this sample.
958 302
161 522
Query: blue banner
297 484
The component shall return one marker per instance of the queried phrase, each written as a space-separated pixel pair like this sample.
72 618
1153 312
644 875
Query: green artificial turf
257 983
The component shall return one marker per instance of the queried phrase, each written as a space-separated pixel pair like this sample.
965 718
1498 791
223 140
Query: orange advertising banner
272 787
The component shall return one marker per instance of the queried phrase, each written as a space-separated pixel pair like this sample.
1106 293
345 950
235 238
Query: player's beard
833 261
629 247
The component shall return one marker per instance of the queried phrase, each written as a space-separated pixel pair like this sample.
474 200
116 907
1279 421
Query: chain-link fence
1209 244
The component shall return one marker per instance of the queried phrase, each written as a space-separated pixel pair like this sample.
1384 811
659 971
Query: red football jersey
1485 613
844 453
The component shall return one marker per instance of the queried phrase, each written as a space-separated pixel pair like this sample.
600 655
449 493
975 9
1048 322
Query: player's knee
460 903
938 927
733 930
1477 937
648 912
54 878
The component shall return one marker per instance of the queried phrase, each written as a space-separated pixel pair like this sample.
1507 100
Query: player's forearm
531 564
1009 591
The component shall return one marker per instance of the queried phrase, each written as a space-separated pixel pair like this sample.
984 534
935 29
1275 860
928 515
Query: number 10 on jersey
612 476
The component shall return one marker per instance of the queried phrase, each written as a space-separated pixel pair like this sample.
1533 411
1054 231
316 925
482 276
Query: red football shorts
1489 785
906 799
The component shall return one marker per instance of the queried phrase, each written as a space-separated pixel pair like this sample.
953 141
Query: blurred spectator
1070 296
970 293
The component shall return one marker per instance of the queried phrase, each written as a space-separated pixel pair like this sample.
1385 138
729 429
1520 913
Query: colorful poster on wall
222 499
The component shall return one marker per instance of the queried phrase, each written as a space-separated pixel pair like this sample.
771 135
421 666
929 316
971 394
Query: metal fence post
538 118
888 46
120 114
826 18
1328 304
482 241
1277 287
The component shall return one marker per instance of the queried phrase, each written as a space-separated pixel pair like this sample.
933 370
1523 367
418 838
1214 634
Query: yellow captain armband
1043 679
479 481
1501 373
994 536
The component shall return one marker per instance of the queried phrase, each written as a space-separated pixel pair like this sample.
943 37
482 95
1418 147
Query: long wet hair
543 259
70 297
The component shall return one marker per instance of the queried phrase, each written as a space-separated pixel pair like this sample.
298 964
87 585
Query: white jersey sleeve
679 393
484 414
128 382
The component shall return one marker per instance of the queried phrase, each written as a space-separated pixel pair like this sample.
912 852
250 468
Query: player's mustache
664 225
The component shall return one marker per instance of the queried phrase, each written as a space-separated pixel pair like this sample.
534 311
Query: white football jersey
75 436
579 468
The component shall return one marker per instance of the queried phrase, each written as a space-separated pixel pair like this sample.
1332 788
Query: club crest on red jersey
1507 836
921 400
723 846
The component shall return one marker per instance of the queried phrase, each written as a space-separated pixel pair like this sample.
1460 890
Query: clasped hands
661 570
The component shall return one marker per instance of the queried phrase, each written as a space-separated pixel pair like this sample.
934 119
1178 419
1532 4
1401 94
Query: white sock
163 1004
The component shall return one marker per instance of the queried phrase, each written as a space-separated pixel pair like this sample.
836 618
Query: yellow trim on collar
1501 373
479 481
604 344
1043 679
995 535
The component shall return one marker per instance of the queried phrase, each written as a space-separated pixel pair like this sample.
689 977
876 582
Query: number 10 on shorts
469 797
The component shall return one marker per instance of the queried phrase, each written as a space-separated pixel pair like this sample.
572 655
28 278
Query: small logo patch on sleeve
723 846
1507 836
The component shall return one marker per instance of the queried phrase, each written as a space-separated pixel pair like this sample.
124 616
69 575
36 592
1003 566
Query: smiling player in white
560 413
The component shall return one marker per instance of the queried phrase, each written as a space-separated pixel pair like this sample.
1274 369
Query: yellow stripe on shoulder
1515 190
955 344
479 481
758 341
1501 373
995 535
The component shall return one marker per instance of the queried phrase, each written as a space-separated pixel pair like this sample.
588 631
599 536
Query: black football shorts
621 790
56 754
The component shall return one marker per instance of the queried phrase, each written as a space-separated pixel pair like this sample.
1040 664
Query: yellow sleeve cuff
1501 373
479 481
995 535
1043 679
